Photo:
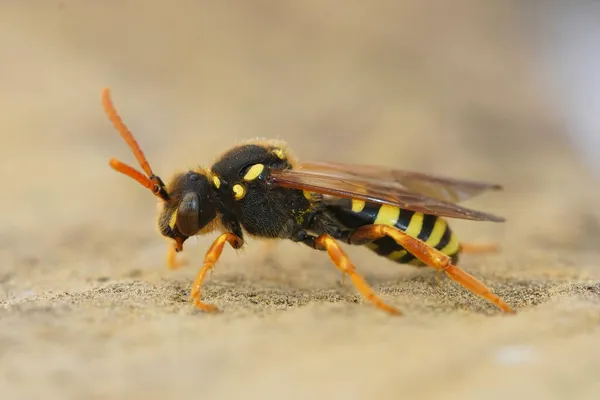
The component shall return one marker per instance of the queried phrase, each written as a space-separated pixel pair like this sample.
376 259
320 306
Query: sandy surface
89 309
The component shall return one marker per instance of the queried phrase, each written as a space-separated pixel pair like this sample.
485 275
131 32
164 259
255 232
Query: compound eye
187 214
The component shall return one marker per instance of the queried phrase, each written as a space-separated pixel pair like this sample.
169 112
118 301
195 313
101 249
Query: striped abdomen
432 230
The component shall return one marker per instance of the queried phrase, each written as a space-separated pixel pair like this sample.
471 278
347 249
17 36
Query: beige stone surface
88 308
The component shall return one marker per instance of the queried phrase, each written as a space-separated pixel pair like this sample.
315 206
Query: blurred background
481 90
503 92
507 92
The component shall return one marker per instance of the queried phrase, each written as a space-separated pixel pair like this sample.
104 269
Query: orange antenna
150 181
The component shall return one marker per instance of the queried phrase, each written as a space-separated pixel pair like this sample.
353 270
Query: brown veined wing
414 191
442 188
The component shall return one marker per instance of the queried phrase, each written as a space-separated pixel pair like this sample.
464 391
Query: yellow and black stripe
431 229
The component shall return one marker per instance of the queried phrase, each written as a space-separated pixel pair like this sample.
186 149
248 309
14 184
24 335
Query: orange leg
474 248
341 260
478 248
177 247
172 262
211 258
430 256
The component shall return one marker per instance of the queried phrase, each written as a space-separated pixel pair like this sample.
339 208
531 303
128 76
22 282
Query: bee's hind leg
479 248
430 256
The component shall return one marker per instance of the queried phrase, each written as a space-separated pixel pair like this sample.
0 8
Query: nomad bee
259 189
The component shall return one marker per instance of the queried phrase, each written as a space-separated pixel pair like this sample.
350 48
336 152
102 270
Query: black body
224 194
265 211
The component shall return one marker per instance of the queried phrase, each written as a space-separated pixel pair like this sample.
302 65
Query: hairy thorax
240 177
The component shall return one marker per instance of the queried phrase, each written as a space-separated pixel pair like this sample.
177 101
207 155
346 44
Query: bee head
189 208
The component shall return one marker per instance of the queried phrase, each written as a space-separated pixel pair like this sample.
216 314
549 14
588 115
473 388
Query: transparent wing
410 190
441 188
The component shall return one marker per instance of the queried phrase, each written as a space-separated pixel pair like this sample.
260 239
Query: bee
258 188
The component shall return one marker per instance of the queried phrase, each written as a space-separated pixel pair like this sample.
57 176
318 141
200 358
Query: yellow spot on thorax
254 172
239 191
308 195
387 215
358 205
216 181
279 153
